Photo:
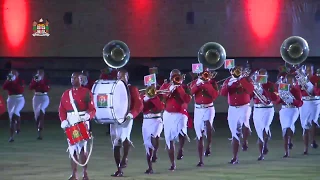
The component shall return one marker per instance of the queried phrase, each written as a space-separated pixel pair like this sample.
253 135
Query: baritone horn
116 54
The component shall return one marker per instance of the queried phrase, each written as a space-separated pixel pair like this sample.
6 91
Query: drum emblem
75 134
102 101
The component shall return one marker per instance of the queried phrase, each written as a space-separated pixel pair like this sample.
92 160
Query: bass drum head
121 101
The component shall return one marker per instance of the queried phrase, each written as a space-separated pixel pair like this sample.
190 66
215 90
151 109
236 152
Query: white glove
146 98
290 100
86 117
172 88
129 116
231 81
199 82
64 124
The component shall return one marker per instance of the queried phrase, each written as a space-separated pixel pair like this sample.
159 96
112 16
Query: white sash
73 105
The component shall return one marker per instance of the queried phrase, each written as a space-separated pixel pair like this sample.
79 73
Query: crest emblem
75 134
102 101
40 28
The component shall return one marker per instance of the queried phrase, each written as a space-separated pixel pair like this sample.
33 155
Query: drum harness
91 144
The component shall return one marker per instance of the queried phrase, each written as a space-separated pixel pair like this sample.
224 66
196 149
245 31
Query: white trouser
201 115
262 119
174 124
288 117
309 112
40 103
15 103
238 116
120 133
76 148
151 128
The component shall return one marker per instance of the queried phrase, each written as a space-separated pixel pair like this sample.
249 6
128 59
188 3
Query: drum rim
129 102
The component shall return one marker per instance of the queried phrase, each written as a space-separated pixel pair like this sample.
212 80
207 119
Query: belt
263 106
152 116
200 106
310 98
40 93
16 95
240 105
288 106
81 113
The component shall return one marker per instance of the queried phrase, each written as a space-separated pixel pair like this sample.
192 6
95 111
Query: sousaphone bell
116 54
294 50
212 55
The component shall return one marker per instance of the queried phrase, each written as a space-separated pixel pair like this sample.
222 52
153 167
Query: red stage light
262 15
15 21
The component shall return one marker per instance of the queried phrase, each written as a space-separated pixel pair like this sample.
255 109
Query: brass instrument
212 55
178 79
295 50
151 91
258 90
116 54
284 95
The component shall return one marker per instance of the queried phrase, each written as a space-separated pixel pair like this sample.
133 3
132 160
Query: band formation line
164 106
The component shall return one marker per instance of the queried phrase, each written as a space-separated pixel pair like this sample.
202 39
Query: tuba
212 55
116 54
294 51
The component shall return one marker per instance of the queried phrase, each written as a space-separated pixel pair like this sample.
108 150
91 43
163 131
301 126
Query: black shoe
305 153
172 168
117 174
200 164
290 145
17 131
207 153
233 161
11 139
265 151
286 155
39 138
154 159
180 155
245 147
260 158
149 171
314 145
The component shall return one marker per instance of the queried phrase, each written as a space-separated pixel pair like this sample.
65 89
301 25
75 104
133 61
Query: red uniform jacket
83 100
40 86
136 105
205 93
153 105
296 92
14 87
315 80
269 90
2 106
178 100
239 93
109 75
90 84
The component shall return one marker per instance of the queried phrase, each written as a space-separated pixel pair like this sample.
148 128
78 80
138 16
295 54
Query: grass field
30 159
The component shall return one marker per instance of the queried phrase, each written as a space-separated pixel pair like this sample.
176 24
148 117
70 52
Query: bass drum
111 100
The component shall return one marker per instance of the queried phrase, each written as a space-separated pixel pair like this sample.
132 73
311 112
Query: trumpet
207 75
152 92
178 79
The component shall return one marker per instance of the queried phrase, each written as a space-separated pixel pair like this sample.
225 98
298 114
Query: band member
175 115
87 81
15 102
82 98
205 91
40 100
309 111
108 74
289 112
152 125
2 106
238 89
120 134
263 112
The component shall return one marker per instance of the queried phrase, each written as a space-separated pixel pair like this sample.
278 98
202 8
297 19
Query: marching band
114 101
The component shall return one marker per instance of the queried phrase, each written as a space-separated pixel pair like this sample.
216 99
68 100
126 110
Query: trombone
152 92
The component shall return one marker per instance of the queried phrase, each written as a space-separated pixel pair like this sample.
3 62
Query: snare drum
77 133
112 101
